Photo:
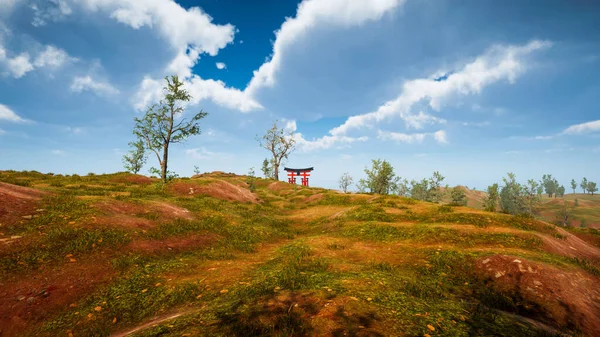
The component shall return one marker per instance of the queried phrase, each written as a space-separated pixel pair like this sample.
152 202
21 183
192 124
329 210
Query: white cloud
543 137
221 65
50 10
8 115
410 138
440 137
325 142
19 65
74 130
477 124
52 57
592 126
497 64
311 13
191 33
87 83
59 152
204 154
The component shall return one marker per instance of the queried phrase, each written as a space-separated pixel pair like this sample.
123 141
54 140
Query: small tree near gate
280 143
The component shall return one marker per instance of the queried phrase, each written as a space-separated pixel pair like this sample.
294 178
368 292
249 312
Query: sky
473 88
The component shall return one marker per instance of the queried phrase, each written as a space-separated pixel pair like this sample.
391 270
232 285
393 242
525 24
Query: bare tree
158 128
345 182
280 143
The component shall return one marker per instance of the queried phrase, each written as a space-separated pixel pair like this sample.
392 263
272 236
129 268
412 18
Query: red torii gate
304 173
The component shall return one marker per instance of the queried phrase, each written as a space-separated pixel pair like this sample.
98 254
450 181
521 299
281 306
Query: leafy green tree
280 143
267 169
458 197
584 185
381 178
573 185
591 187
565 214
512 199
531 197
419 189
435 182
560 191
489 204
402 188
550 185
345 182
136 158
158 128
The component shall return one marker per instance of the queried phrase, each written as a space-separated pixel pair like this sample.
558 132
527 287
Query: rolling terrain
124 255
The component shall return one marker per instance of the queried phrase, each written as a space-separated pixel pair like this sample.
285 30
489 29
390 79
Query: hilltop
211 255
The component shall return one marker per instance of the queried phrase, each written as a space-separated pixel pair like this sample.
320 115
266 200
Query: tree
280 143
434 192
345 182
591 187
158 127
402 188
573 185
565 214
550 185
381 178
511 196
419 189
491 201
267 169
584 185
531 197
458 197
136 158
561 191
250 179
196 170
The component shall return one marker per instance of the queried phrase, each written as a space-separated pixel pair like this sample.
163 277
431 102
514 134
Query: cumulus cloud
205 37
49 11
497 64
221 65
7 114
582 128
50 57
410 138
87 83
311 13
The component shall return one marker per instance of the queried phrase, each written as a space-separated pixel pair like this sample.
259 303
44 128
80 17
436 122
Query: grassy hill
120 254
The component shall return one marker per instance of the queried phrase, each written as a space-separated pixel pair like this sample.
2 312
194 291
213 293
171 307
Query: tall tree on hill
532 198
550 185
573 185
158 127
512 199
136 158
458 197
280 142
435 184
491 201
591 187
381 178
584 185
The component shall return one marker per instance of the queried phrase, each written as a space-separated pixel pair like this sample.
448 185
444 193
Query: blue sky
473 89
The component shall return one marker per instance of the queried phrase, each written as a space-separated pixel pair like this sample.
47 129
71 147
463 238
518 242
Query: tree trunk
276 170
164 162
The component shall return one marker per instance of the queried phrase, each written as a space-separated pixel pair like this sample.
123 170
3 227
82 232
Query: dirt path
571 246
154 321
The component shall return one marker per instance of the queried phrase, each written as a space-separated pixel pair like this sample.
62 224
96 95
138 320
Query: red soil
131 215
134 179
571 246
17 201
27 301
569 298
219 189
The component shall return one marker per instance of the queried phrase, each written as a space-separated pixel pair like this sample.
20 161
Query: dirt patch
277 186
218 189
174 244
136 179
570 246
554 296
137 215
28 301
17 201
314 198
215 174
